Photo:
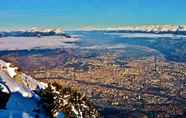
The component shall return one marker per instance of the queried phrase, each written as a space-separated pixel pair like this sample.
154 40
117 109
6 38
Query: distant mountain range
34 32
158 29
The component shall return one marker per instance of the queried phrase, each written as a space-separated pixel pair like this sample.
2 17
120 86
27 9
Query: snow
75 111
15 87
32 83
45 30
14 114
60 115
23 100
21 107
7 77
42 85
144 28
11 70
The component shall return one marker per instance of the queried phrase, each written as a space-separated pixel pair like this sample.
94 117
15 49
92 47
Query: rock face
4 95
68 101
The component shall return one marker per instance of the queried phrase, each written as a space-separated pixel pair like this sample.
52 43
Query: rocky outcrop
70 102
4 94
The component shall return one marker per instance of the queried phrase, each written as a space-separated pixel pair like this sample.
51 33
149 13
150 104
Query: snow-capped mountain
34 32
145 28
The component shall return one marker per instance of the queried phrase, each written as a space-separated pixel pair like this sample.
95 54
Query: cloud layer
21 43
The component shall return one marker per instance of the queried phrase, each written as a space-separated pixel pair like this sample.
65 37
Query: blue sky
78 13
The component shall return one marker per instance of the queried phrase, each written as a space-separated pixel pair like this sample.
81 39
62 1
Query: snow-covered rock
69 101
23 102
21 107
27 84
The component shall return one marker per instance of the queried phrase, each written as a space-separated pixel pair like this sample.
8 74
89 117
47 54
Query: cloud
21 43
146 35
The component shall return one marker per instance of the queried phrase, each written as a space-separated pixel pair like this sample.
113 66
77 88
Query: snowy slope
23 102
25 87
22 107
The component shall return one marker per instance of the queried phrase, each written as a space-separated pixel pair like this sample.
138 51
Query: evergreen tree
64 99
